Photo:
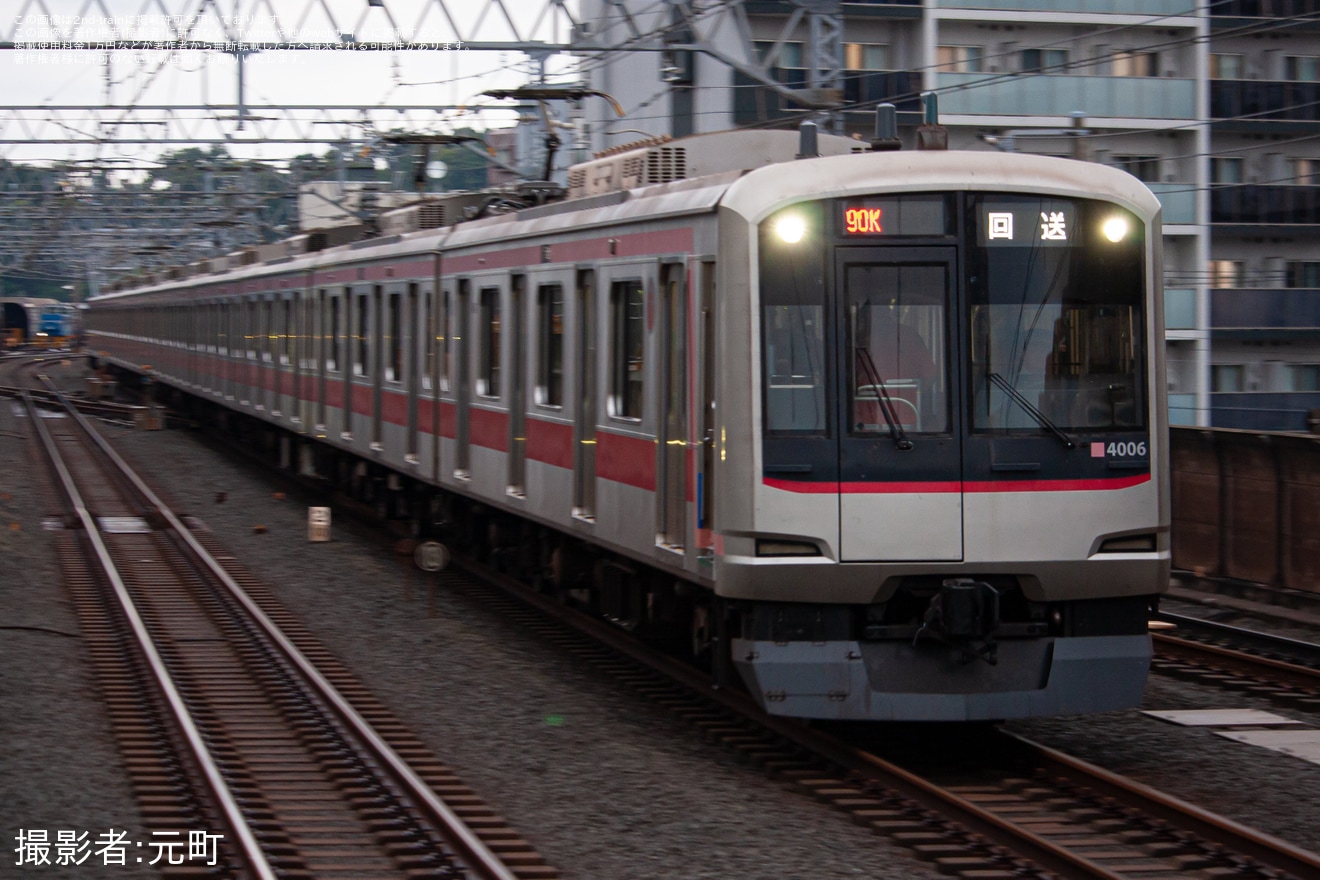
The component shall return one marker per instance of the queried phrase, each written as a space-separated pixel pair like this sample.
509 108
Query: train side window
268 330
550 354
446 339
222 329
394 340
286 334
429 335
488 379
332 337
360 335
627 349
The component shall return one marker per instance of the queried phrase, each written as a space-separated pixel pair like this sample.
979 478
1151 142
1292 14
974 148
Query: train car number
1119 449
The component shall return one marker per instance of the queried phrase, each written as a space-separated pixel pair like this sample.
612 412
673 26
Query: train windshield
1055 299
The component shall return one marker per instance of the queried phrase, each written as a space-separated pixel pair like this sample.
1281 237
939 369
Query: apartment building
1215 106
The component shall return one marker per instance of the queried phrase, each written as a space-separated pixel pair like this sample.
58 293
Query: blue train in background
30 322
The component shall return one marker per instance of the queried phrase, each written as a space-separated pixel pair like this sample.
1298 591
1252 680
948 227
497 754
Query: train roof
741 171
762 191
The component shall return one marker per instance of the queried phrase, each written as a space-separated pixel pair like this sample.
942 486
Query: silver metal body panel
671 234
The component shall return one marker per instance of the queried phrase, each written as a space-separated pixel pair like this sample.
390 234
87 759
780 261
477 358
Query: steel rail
1264 638
482 859
102 409
1023 842
246 840
1265 848
1305 676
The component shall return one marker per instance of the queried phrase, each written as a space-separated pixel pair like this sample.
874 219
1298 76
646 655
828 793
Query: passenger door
900 458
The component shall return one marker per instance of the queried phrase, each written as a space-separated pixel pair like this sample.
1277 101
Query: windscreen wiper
1016 397
885 402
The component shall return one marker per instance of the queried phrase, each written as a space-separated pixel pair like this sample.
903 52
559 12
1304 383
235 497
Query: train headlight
1115 229
790 228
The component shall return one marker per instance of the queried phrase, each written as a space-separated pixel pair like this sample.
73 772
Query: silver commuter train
886 431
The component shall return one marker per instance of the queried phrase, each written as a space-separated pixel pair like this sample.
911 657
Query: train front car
943 479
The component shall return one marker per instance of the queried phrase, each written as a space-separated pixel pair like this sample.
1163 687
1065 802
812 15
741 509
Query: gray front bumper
892 681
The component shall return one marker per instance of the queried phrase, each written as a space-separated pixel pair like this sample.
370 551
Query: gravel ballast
605 784
59 765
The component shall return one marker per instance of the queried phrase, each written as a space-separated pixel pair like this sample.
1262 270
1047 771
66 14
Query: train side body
658 376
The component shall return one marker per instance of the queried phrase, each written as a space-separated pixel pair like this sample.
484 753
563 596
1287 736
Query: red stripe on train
628 460
945 486
550 442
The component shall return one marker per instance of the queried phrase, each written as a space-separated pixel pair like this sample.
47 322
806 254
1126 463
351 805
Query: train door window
394 337
408 351
252 327
324 351
517 388
459 323
307 331
430 338
673 446
347 351
269 331
222 329
378 353
360 349
628 349
896 327
286 335
706 476
488 376
333 335
550 345
232 342
584 458
446 338
251 334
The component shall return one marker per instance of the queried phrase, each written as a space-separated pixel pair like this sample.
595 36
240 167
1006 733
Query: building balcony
1178 201
982 94
1300 14
1263 410
1179 308
1265 313
754 103
850 8
1264 205
1128 7
1264 105
1182 409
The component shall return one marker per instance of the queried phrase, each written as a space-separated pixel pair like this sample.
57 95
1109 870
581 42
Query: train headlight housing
1115 229
790 228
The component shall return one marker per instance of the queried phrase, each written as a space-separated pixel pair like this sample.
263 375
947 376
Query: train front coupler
963 614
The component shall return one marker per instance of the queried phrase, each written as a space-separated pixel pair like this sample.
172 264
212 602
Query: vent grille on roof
632 171
665 164
431 216
577 178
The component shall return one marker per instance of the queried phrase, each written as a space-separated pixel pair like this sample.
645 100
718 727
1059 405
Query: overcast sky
451 75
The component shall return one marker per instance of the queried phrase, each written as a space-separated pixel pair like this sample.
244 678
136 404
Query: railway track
1006 808
1020 810
1283 670
245 741
20 373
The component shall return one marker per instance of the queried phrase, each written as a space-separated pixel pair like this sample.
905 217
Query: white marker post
318 524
